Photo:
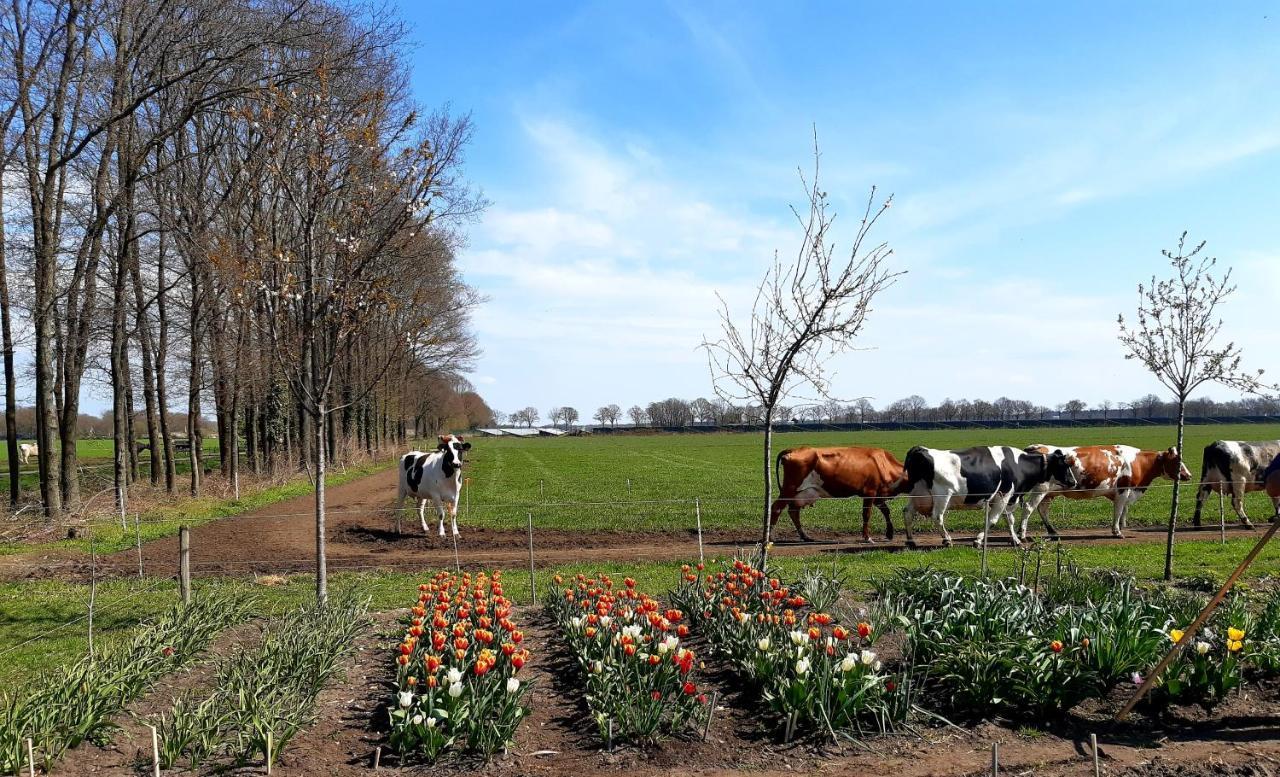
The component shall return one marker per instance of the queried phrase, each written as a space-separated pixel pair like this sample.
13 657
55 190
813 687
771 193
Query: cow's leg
866 519
439 503
1237 501
775 510
422 515
793 510
908 514
1044 508
1205 489
883 504
1007 509
940 504
399 509
1120 506
452 505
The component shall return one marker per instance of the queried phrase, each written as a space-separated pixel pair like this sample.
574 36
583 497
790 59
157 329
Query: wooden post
609 741
1093 745
711 710
533 584
995 759
93 586
628 488
377 758
697 516
1222 519
137 530
184 563
269 749
31 758
1200 620
155 750
985 532
540 490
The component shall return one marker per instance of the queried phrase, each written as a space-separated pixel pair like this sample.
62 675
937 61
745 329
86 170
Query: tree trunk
766 533
10 375
1173 509
322 570
193 387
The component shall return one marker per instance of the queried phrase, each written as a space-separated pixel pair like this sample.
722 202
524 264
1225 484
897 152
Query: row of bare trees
231 205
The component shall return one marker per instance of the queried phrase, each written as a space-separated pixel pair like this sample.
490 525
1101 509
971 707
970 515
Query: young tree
608 414
1175 338
569 415
805 311
638 415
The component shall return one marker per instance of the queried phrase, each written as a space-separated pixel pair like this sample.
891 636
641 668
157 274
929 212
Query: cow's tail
918 466
777 467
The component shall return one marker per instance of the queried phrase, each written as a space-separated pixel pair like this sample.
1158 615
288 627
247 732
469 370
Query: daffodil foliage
641 683
819 675
457 681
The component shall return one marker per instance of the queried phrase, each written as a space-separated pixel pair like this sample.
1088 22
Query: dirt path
281 538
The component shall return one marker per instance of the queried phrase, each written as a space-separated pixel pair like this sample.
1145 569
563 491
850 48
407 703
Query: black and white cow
435 477
985 478
1236 466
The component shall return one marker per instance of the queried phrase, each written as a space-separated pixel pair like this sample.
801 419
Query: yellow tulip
1175 635
1234 645
1234 634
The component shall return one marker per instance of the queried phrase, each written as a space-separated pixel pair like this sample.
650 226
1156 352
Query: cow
1236 465
1121 473
984 478
809 474
27 450
434 476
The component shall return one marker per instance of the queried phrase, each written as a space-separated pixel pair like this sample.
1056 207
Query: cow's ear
466 446
444 439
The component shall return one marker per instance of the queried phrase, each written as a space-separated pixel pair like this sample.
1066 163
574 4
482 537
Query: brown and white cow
809 474
1121 473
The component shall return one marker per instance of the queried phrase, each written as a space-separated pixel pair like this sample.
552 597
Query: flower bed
640 678
457 685
820 675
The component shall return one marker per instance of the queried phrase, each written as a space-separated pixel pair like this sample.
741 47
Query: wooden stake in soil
697 517
985 532
1222 519
1200 620
1093 745
533 583
377 757
711 710
995 759
268 753
31 758
609 742
184 563
137 530
155 750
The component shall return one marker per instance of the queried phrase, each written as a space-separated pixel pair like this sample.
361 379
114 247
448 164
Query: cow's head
453 447
1061 467
1170 464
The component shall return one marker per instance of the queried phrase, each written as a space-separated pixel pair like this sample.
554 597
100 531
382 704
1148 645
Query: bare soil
1241 739
360 535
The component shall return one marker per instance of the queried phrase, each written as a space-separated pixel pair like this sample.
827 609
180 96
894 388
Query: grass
41 610
650 482
164 521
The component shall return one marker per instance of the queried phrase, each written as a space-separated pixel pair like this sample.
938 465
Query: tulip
406 698
455 690
1235 635
864 629
431 722
455 675
848 663
802 667
689 689
867 658
1056 646
798 637
763 643
513 685
1175 635
417 720
1202 647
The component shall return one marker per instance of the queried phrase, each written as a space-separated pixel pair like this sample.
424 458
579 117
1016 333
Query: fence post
1093 745
184 563
533 583
985 533
995 759
93 585
155 750
697 516
137 530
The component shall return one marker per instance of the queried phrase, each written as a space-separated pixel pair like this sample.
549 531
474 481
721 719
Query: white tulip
1202 647
455 676
455 690
848 663
597 668
513 685
802 667
868 658
763 643
798 637
431 722
417 720
406 698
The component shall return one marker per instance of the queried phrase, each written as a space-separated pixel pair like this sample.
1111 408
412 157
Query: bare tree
1175 337
1073 407
638 415
608 414
805 311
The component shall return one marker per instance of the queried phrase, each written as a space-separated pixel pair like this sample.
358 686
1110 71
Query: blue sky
641 157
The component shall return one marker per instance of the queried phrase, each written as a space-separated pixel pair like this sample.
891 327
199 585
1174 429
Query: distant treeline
915 409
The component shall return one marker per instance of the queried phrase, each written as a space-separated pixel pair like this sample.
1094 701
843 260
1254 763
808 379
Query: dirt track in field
360 535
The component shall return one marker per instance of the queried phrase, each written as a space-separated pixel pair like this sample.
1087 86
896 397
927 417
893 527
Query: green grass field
95 458
582 482
44 624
